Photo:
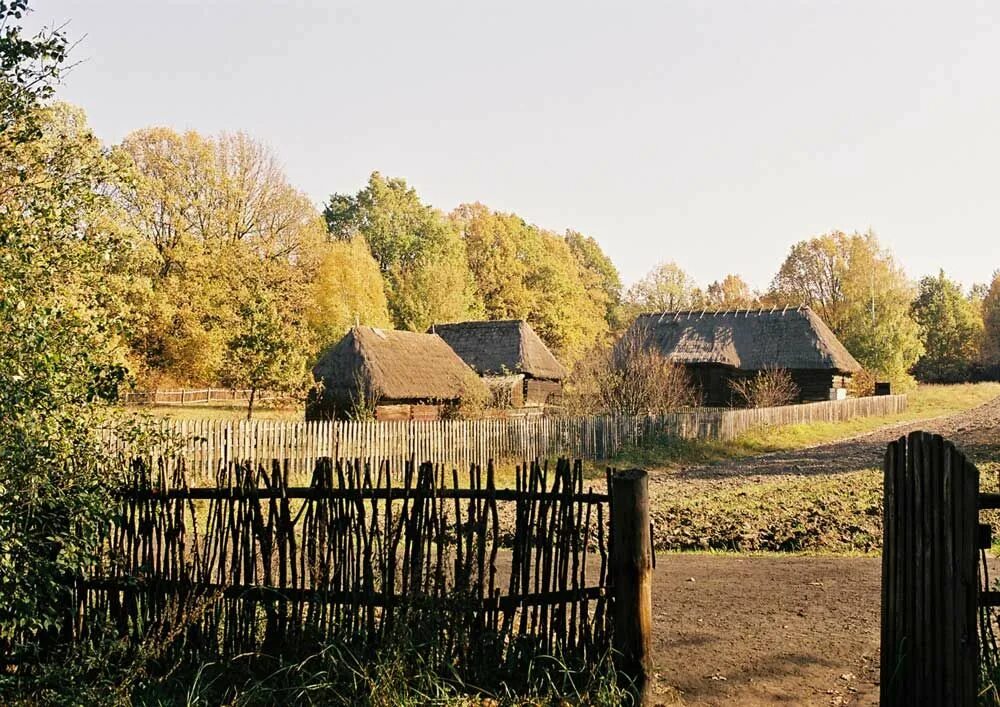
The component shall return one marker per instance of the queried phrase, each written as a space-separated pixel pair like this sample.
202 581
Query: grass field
221 412
926 402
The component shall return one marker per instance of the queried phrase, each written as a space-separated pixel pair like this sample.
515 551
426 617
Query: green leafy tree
61 263
860 291
951 330
991 323
268 352
418 251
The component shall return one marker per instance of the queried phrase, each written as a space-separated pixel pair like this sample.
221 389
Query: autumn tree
732 292
991 323
419 252
215 213
951 329
347 289
665 288
860 291
498 247
601 277
561 285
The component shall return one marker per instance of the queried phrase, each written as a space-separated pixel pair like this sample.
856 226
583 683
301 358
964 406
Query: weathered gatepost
930 581
632 577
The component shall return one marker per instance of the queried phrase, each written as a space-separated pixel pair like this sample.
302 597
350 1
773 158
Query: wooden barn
513 361
717 347
405 376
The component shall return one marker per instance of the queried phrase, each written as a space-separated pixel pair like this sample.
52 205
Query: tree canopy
564 286
951 330
419 252
214 214
666 288
860 291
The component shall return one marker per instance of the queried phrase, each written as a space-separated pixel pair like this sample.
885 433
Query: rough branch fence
207 443
935 599
486 577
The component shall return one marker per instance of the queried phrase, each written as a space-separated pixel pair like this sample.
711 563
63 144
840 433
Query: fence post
930 582
632 577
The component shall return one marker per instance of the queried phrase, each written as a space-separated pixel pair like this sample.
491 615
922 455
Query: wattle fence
207 444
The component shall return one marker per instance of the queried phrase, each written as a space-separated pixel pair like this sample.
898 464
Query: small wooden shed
719 346
511 358
404 375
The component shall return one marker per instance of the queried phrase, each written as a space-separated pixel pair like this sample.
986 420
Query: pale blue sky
711 133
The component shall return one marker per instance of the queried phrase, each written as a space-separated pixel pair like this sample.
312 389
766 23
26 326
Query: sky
712 133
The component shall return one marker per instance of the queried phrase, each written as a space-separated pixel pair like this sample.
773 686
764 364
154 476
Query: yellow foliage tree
217 214
347 289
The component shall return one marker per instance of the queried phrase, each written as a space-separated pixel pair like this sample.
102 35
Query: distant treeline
230 276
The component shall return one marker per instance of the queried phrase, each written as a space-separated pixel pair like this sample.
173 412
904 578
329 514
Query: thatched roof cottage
717 347
404 375
510 357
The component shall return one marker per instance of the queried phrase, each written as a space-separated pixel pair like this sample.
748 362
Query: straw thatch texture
501 347
395 366
749 340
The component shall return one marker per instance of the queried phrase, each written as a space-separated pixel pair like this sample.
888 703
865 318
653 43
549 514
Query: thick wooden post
930 581
632 578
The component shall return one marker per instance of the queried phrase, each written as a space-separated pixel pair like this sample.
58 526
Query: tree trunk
253 393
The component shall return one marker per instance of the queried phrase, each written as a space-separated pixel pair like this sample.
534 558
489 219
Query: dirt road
732 630
766 630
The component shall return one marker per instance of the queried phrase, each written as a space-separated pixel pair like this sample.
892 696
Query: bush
633 377
770 387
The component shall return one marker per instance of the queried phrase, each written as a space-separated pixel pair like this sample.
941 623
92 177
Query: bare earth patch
784 629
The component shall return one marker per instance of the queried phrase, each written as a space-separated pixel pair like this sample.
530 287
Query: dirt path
766 630
731 630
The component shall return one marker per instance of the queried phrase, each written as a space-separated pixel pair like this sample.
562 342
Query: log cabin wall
538 392
713 380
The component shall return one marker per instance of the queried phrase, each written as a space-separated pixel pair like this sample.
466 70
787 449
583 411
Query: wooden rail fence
934 606
207 443
488 577
203 396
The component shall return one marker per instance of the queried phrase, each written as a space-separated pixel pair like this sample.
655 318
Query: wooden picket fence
207 443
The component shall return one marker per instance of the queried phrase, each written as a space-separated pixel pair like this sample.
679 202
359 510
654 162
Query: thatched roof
398 365
750 340
501 347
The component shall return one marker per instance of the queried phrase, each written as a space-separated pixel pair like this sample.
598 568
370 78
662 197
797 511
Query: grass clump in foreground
404 668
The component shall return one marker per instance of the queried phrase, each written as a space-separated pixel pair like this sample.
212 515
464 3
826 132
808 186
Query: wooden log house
721 346
399 375
511 359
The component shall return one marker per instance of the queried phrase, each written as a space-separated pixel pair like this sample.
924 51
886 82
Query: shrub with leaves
62 264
